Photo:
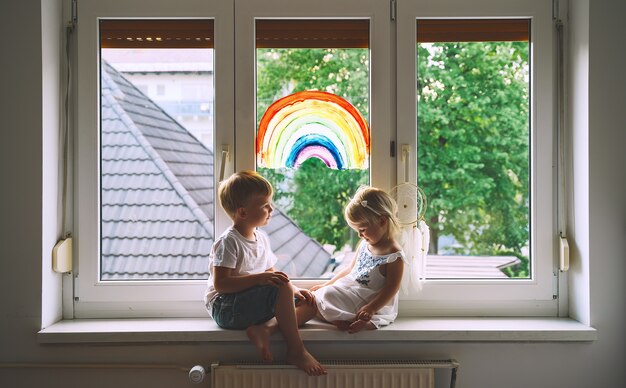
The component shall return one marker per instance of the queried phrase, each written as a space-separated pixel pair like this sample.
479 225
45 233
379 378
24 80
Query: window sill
404 329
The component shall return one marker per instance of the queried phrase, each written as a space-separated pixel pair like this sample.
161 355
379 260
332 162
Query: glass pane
308 85
473 152
156 151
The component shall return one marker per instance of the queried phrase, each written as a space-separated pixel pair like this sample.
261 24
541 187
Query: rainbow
313 124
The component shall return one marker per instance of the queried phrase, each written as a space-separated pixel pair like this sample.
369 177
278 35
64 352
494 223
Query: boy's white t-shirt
246 257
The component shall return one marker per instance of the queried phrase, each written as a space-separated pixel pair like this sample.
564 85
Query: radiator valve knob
196 374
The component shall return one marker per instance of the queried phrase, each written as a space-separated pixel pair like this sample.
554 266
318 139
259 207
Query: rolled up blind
476 30
180 33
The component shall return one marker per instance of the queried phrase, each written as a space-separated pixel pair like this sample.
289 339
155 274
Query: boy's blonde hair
368 205
235 191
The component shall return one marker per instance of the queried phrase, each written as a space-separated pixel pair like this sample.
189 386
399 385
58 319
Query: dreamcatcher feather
414 234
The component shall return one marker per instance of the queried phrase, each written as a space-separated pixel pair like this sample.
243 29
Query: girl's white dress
341 300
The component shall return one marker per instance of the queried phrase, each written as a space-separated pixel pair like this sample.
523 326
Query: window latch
225 156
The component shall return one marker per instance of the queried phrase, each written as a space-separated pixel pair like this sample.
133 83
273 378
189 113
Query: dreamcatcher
414 233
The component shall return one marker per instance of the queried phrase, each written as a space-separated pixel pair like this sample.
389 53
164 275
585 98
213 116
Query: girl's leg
359 325
305 312
342 325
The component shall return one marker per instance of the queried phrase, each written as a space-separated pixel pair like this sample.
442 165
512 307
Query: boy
244 291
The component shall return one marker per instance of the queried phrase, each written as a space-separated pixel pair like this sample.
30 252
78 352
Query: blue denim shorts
243 309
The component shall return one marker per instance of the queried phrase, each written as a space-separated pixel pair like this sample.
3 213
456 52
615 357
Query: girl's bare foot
359 325
305 361
341 325
260 337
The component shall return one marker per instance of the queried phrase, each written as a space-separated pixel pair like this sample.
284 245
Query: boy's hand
276 279
303 295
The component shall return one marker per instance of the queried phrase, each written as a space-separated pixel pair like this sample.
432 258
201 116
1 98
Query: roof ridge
156 157
154 105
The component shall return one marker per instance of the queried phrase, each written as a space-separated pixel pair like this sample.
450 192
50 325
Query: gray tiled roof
298 255
157 196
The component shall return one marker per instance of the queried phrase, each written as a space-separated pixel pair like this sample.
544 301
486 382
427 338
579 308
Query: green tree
319 207
344 72
473 145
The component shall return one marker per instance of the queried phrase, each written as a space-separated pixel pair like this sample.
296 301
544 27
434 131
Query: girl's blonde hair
368 205
235 191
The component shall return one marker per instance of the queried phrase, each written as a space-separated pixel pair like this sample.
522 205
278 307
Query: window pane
473 146
157 205
328 60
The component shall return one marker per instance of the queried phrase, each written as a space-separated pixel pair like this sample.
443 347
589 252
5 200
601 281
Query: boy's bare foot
342 325
260 337
305 361
359 325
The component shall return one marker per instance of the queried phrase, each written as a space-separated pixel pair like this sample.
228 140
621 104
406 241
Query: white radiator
341 374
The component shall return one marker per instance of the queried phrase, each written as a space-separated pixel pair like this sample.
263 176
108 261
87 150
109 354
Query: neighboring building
180 81
157 196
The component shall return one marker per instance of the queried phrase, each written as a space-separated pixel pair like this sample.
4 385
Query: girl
364 294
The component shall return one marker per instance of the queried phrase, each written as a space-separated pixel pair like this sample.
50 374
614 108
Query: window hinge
392 149
74 19
392 10
555 285
555 10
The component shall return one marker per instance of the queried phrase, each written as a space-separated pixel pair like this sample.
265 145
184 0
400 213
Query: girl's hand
365 313
276 279
303 295
317 287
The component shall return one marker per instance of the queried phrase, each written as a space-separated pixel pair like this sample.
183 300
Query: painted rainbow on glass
313 124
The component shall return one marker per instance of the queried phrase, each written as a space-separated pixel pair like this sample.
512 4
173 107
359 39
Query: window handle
405 157
564 254
225 157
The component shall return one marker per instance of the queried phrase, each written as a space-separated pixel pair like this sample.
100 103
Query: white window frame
382 167
535 296
390 68
382 164
101 299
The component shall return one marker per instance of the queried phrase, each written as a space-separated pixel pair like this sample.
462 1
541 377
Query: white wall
27 233
607 180
21 153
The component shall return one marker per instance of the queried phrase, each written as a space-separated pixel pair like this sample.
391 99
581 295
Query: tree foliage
344 72
473 144
322 195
